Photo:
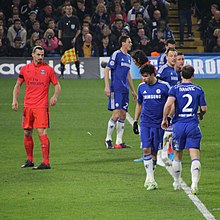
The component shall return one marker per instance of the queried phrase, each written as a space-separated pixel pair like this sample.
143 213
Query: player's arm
130 82
167 110
136 117
106 78
59 37
203 110
16 92
57 90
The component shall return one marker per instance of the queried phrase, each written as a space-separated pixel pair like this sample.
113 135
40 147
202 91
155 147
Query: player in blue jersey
118 91
187 98
180 59
168 73
152 96
170 43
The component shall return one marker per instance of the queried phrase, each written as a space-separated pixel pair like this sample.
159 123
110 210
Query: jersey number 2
186 107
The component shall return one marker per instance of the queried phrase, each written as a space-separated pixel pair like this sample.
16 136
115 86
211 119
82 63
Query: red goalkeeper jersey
37 79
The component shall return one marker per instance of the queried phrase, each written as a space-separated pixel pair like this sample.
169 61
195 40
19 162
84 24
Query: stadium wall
90 68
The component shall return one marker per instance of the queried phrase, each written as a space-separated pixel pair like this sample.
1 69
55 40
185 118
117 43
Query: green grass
86 180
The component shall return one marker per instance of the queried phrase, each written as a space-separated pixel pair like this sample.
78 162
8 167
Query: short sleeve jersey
188 98
120 64
168 74
69 26
37 79
153 99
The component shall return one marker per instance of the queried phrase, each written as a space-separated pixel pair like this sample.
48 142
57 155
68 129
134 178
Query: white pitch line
201 207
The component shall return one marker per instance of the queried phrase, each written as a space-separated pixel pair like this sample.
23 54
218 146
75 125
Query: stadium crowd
27 23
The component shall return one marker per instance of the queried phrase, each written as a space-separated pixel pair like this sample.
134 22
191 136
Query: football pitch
87 181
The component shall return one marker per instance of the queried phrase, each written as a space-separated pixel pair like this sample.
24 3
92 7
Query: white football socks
120 130
148 165
177 170
110 129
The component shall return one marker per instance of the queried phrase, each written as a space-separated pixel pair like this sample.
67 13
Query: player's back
188 98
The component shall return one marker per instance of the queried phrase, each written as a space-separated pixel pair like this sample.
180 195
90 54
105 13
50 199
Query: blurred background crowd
96 25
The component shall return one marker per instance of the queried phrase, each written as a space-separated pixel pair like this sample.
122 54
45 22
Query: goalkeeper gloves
135 127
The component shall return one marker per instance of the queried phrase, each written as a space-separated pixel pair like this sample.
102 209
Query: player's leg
29 148
145 136
166 143
27 125
177 169
193 144
41 123
123 101
112 121
178 143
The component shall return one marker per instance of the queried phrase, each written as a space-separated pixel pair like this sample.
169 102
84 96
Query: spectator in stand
50 43
216 48
3 37
36 28
82 10
30 21
100 14
212 26
118 10
139 22
17 30
185 13
169 44
156 19
157 5
136 39
112 38
81 37
158 44
3 49
27 8
89 48
137 7
87 22
52 25
17 50
46 14
144 45
98 29
163 27
116 27
105 48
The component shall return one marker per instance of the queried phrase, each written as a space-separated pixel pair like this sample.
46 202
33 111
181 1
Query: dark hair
37 48
17 39
17 20
147 69
179 53
170 49
122 39
187 72
140 57
170 41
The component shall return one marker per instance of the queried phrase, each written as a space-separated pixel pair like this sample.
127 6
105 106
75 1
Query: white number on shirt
186 107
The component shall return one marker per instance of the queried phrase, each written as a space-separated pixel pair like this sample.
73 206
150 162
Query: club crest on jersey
42 72
158 91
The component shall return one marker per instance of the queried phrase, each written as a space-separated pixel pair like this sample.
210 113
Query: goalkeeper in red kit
37 77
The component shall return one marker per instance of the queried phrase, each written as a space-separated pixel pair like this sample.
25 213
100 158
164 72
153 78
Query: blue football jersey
168 74
188 98
153 99
120 64
161 60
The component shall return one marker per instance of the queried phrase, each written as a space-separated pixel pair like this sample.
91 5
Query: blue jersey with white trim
120 64
168 74
161 60
153 99
188 98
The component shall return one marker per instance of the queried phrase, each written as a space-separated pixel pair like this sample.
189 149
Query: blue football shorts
151 137
186 135
118 101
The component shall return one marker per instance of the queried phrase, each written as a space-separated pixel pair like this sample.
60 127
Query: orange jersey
37 79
